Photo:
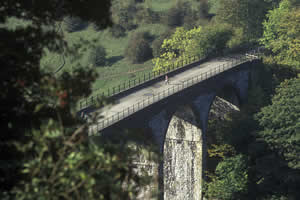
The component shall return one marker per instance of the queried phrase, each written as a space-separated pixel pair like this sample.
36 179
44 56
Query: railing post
107 91
139 80
149 75
128 83
144 78
80 105
124 86
113 90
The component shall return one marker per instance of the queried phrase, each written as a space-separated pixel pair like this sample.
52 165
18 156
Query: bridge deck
127 102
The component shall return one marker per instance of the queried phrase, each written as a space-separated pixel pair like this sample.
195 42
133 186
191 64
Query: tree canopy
281 122
45 152
282 34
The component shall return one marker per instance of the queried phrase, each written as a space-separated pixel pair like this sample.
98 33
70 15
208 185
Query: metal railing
137 81
106 122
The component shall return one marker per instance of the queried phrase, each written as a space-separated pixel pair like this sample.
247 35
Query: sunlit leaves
282 34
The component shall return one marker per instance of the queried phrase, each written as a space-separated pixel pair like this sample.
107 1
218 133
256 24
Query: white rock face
182 165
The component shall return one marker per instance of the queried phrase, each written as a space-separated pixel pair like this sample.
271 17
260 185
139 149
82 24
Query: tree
178 46
40 133
280 122
231 179
97 56
282 34
123 13
245 14
157 50
138 49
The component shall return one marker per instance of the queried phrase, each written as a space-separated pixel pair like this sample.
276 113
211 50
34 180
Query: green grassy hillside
117 69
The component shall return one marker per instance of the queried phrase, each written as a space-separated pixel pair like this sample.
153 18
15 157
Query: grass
161 5
118 69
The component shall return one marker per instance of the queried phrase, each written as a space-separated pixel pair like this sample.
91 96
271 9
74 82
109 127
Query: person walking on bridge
166 80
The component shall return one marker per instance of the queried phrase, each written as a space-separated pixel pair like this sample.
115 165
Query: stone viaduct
177 121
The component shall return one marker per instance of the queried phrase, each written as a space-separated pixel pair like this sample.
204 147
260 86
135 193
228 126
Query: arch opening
226 102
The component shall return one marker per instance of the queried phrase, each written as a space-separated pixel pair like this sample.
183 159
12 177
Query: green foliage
145 15
157 50
117 31
244 14
174 17
97 56
213 40
220 151
282 34
280 122
123 13
67 167
178 46
230 180
233 12
44 149
138 49
73 24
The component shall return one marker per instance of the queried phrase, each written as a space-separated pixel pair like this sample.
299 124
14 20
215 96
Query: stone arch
182 156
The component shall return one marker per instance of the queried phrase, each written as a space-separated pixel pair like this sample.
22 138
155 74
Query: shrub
146 16
73 24
203 9
173 17
156 45
138 49
214 39
117 31
123 13
190 20
97 56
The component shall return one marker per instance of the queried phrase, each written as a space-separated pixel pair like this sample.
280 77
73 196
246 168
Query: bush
203 9
117 31
138 49
123 13
97 56
190 20
156 45
73 24
173 17
146 16
214 39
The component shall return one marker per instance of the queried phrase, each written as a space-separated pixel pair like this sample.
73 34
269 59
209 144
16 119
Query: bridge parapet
118 116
